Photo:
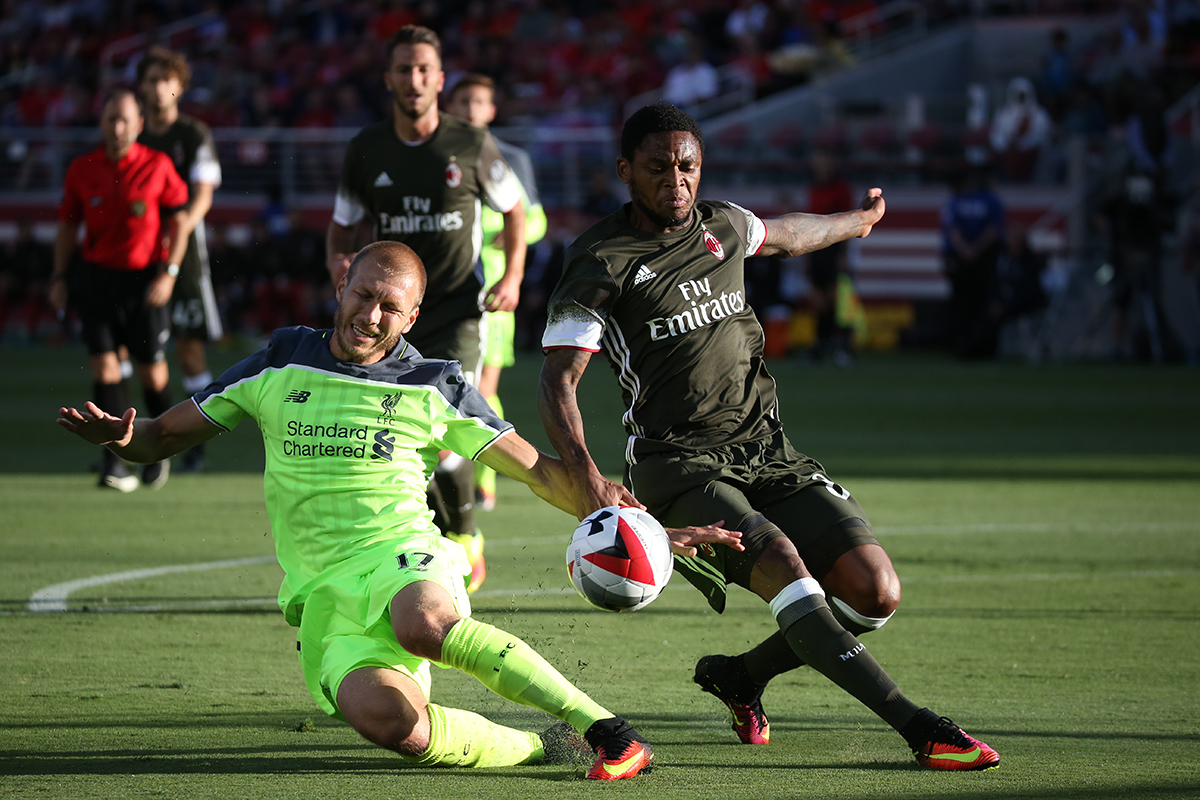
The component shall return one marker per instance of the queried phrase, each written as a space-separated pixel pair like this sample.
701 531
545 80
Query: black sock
458 496
771 657
111 398
433 499
157 402
827 647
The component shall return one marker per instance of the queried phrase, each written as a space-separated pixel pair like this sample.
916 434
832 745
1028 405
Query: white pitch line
54 598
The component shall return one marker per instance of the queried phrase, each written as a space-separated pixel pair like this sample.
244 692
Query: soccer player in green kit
352 419
473 98
659 286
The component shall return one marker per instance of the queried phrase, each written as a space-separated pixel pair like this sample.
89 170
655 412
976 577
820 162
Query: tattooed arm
794 234
559 410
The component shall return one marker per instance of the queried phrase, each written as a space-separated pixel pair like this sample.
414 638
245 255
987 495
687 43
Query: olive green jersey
669 311
189 143
429 196
350 448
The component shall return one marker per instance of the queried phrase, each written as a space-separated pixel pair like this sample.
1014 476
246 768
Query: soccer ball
619 558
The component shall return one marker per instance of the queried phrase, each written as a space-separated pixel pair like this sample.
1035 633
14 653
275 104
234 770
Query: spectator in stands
693 80
23 284
1135 214
829 193
1058 74
1020 131
972 236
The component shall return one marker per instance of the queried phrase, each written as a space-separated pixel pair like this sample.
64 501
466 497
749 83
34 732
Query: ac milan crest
714 245
453 175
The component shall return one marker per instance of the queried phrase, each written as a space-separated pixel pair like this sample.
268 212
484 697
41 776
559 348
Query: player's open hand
684 541
873 208
95 426
158 293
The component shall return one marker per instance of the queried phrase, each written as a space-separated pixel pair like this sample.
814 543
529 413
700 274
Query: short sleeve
580 304
498 184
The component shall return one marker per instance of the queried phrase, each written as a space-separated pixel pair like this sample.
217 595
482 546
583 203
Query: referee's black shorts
112 307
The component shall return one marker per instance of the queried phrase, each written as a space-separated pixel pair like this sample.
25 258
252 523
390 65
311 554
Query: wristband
173 270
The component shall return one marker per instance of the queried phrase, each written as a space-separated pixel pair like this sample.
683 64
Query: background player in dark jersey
376 593
473 98
659 285
123 193
420 178
163 77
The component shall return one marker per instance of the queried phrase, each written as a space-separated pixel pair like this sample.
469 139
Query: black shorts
194 313
763 488
112 307
459 341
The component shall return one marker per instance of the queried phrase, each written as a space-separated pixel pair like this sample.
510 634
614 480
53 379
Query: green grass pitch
1045 522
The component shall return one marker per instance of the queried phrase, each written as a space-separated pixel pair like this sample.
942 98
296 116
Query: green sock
460 738
485 476
511 669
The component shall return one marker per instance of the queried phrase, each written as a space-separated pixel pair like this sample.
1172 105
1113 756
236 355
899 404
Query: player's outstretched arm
547 476
796 234
141 440
563 423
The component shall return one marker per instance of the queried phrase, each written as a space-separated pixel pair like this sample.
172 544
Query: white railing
302 163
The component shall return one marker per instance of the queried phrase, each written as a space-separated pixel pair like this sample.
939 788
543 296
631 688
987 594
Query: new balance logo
643 274
297 396
383 180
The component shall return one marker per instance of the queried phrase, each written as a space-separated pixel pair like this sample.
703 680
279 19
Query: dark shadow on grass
300 760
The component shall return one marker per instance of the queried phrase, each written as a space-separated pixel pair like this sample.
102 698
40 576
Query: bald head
394 259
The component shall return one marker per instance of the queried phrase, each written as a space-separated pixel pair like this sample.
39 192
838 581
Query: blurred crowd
316 63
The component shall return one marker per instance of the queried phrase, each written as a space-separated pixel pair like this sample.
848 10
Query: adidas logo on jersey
383 180
643 274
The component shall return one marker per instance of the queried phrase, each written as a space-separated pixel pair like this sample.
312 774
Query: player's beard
677 220
354 352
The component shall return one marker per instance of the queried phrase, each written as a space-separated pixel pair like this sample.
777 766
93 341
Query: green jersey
429 196
492 257
350 447
669 310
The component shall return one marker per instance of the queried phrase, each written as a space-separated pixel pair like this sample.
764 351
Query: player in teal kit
352 419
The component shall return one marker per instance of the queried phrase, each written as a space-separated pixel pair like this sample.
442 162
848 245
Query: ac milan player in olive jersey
420 178
658 285
163 76
352 419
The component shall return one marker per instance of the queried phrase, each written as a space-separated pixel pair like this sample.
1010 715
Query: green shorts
499 329
765 489
346 622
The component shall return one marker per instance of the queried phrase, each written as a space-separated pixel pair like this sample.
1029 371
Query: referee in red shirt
131 200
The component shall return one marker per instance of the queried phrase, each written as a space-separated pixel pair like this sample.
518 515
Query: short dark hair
657 118
174 63
414 34
119 91
474 79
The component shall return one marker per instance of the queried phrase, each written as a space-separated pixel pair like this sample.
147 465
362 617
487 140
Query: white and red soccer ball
619 558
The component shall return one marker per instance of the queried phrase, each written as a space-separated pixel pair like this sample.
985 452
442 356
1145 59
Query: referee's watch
173 270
